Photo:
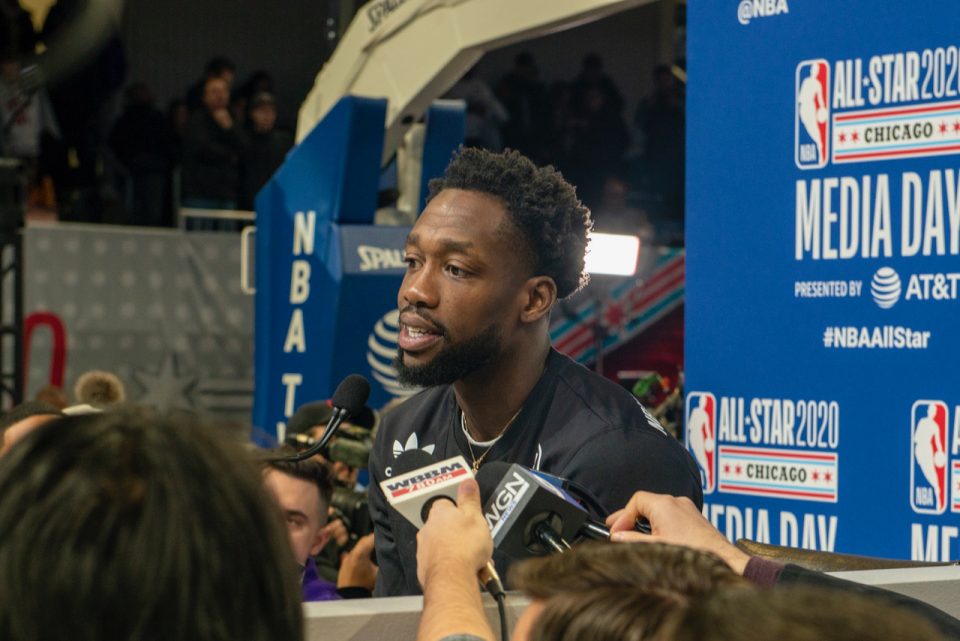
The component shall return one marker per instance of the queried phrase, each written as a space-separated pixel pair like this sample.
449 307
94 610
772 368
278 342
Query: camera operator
348 516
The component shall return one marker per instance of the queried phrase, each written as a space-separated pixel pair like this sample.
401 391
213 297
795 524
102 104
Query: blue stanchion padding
446 127
331 176
335 169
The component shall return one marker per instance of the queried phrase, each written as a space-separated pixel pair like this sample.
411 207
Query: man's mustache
410 309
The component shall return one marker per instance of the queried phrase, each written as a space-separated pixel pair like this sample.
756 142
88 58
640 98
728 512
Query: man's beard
451 363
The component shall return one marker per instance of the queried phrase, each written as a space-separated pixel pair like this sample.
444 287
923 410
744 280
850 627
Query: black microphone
418 482
348 400
577 495
527 515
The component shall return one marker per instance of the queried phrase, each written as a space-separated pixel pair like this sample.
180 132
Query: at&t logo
885 287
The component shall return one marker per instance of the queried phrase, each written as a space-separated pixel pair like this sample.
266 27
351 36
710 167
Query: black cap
309 415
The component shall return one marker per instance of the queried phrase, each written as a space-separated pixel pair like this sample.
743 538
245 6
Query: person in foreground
498 244
120 526
684 582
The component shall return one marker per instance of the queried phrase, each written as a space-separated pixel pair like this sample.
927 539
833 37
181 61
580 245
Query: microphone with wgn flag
578 496
419 481
527 515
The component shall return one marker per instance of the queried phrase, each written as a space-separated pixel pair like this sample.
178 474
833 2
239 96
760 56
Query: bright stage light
614 254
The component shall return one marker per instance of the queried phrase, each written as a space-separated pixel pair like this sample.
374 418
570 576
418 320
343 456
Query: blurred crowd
631 177
212 149
97 148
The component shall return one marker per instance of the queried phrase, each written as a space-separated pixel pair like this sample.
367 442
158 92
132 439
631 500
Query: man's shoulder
611 405
199 124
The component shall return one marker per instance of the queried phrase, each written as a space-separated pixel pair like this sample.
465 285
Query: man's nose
419 289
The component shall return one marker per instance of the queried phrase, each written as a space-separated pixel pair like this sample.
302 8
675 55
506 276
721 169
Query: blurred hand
673 520
356 568
223 118
456 537
337 532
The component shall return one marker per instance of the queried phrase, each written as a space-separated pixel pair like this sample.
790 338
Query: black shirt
211 159
574 424
263 153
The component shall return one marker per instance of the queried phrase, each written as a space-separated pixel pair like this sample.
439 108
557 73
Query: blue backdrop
823 268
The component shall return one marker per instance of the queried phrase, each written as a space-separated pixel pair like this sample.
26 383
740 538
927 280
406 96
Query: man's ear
320 541
540 294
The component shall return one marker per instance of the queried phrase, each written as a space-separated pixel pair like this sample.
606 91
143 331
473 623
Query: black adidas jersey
575 425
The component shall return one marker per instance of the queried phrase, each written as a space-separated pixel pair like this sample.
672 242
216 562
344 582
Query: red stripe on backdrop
583 334
886 154
661 287
764 491
896 112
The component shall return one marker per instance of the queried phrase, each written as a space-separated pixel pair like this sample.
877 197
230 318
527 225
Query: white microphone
412 494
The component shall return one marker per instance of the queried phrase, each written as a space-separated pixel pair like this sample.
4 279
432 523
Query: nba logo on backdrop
928 457
812 114
701 436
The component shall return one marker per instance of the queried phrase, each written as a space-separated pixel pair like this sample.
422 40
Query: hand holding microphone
455 537
674 520
419 486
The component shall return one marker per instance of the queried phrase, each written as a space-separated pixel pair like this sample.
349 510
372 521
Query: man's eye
411 262
457 272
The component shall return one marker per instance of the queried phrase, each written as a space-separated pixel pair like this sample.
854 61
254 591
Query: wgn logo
885 287
382 349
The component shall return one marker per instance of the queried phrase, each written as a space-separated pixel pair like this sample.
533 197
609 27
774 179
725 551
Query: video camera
351 448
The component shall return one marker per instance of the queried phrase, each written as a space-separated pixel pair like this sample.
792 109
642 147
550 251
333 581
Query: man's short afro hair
540 203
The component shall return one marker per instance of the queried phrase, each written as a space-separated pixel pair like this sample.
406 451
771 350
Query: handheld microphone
422 481
348 400
578 496
527 515
419 480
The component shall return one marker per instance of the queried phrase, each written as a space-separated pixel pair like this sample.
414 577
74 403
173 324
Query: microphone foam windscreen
412 460
351 394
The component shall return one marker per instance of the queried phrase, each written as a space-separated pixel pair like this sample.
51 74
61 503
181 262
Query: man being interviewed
499 242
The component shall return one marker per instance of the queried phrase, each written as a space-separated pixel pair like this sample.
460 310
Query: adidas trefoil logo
412 443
